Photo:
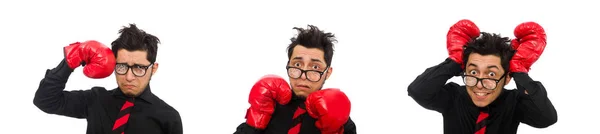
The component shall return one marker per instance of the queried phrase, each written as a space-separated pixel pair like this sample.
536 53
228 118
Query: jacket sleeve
350 127
534 108
430 89
247 129
51 98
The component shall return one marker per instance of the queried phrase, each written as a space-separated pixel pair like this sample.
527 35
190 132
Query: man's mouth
481 95
303 87
129 86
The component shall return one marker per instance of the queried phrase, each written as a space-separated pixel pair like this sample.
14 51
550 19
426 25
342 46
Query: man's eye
121 66
492 74
473 72
297 64
315 67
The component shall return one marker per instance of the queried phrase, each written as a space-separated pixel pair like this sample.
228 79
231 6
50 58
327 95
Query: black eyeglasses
488 83
311 75
137 70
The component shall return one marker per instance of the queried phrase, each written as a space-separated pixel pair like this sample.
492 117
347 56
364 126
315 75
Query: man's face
488 66
307 59
137 77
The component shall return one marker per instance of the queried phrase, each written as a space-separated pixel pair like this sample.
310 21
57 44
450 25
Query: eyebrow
313 60
135 64
492 66
471 64
316 60
489 67
297 58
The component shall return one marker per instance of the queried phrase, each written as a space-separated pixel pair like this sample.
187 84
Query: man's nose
479 84
129 75
303 76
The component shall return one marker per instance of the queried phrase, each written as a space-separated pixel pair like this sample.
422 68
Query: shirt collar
146 95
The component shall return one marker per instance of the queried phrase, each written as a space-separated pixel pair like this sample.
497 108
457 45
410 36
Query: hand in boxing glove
331 109
98 60
263 96
529 44
457 38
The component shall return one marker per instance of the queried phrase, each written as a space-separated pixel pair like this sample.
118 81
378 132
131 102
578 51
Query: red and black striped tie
123 117
297 121
482 121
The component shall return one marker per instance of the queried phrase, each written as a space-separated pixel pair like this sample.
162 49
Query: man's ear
154 67
329 71
507 80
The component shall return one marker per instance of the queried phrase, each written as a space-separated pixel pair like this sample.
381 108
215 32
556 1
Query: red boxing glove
98 59
529 44
268 90
457 38
331 108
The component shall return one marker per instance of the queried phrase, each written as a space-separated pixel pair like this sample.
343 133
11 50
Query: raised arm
534 107
430 89
350 127
264 95
50 96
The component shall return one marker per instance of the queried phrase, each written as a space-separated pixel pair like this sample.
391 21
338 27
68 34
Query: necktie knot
482 116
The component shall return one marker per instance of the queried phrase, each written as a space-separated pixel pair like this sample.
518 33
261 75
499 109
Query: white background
212 53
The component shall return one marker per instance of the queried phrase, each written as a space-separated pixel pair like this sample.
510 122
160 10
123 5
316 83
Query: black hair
491 44
312 37
131 39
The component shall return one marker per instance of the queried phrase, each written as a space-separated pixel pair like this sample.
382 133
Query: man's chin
129 93
301 97
481 104
301 94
